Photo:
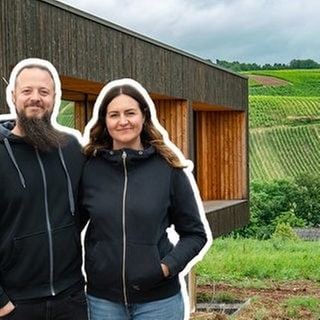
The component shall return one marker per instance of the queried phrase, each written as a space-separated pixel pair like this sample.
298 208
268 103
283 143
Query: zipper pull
124 155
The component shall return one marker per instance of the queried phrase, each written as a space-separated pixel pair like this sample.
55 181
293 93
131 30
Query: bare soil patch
265 304
269 81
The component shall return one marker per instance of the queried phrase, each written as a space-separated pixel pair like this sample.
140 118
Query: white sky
260 31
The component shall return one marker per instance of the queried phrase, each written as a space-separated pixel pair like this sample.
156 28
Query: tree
268 201
293 202
307 198
294 64
303 64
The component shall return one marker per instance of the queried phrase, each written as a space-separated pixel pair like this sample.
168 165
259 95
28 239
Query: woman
134 188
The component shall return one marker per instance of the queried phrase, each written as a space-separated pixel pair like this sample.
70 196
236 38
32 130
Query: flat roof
116 27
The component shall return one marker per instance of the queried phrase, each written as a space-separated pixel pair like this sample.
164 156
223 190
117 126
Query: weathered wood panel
202 106
226 216
85 47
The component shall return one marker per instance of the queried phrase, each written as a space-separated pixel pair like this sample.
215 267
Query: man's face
34 93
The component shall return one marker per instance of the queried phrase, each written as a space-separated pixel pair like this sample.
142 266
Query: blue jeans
166 309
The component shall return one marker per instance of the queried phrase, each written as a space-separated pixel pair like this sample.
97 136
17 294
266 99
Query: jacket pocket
143 267
29 261
102 264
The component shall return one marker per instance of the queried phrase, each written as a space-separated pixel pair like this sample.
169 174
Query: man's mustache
35 104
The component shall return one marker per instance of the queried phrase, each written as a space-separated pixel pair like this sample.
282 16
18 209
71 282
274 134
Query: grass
292 304
254 264
243 259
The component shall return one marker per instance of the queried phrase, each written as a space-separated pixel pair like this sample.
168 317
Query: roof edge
117 27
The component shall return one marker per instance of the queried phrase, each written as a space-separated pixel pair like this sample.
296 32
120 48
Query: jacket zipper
124 238
47 220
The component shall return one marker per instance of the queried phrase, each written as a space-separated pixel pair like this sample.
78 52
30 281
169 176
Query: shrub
284 232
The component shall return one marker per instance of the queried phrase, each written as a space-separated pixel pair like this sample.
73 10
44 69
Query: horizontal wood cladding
226 216
88 48
221 155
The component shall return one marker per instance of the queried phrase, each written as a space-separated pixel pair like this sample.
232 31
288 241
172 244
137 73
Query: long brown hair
150 135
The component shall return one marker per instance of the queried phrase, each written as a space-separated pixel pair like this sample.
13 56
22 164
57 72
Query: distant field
303 83
66 114
284 123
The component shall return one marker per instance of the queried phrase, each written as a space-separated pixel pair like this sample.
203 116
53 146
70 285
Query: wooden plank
221 153
80 85
225 216
172 115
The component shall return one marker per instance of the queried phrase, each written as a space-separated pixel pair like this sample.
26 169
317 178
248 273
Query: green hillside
300 83
284 123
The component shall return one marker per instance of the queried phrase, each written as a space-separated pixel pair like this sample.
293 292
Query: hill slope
284 123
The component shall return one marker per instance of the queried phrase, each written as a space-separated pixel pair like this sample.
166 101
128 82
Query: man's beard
39 132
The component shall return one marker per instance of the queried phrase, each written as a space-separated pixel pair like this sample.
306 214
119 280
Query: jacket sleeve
83 214
187 221
4 299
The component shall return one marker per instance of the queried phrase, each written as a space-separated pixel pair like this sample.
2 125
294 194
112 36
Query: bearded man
40 168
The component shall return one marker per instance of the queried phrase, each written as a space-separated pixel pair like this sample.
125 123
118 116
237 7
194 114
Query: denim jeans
69 307
166 309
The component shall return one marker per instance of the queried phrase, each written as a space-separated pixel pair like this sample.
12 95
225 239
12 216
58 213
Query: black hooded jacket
40 248
132 197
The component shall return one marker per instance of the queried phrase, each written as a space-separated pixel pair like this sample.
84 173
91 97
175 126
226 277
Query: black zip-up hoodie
132 197
40 248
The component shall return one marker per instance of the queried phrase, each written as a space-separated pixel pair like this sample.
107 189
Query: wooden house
203 107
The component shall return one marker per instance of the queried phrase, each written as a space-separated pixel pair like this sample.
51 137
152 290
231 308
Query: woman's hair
150 135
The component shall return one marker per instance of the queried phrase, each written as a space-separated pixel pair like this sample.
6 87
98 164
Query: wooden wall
173 116
85 47
203 107
223 157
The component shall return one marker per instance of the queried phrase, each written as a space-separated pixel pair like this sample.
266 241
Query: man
40 168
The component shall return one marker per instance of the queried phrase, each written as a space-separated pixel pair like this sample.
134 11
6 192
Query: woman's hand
165 270
9 307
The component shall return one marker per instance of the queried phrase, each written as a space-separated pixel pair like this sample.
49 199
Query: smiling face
124 121
34 93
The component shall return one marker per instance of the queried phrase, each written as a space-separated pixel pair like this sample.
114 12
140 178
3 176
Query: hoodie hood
5 129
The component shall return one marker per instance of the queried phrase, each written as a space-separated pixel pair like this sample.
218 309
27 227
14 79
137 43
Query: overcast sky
260 31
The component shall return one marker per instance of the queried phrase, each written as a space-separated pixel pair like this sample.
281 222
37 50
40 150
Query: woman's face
124 122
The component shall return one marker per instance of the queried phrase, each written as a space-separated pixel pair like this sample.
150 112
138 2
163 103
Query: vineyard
284 123
283 152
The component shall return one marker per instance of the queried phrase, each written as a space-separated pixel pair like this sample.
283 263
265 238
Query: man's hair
35 66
